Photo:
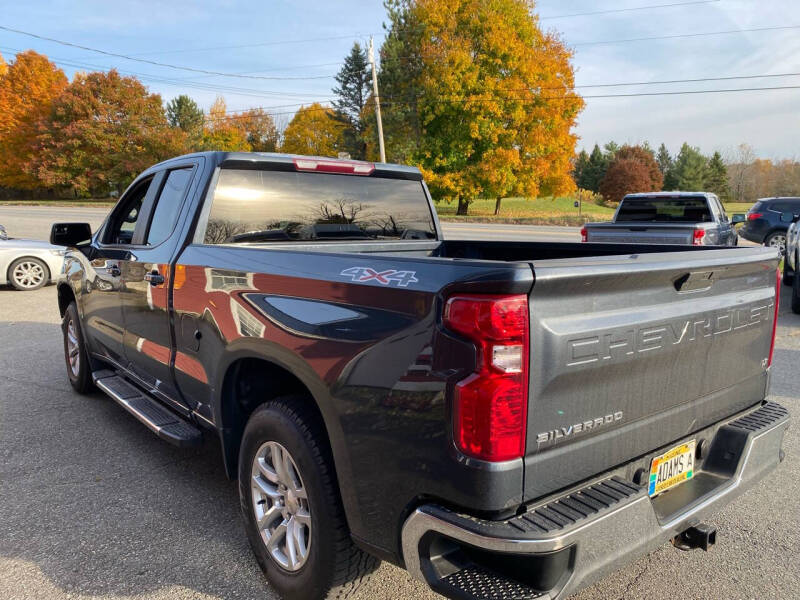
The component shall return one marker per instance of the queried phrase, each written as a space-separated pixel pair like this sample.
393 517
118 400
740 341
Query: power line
685 35
177 82
257 45
538 99
357 36
155 63
631 9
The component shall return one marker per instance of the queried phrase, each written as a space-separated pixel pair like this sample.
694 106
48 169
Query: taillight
584 235
754 216
490 406
698 236
321 165
775 320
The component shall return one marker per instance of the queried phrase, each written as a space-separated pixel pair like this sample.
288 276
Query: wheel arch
250 380
65 296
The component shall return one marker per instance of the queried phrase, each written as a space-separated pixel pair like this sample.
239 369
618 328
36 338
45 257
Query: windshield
690 209
251 206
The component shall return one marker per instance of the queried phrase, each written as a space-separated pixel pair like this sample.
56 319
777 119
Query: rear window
668 210
251 206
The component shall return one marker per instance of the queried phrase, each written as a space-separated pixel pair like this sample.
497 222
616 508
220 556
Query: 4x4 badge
401 278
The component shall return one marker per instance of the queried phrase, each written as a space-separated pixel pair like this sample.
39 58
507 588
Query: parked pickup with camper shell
692 218
504 420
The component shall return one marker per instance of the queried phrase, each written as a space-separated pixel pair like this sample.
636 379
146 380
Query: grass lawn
87 202
546 210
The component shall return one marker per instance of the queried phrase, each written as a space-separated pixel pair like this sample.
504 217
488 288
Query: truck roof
667 194
219 157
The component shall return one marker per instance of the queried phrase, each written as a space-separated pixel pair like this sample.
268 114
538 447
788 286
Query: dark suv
768 220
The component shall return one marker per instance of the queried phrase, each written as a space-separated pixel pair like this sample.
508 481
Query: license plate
672 468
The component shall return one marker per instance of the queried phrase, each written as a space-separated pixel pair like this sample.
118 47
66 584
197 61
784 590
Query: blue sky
179 33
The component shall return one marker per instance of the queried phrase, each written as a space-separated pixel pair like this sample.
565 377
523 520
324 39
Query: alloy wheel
281 508
73 349
28 274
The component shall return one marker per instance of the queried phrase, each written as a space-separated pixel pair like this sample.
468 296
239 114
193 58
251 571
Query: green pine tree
580 166
717 177
352 92
184 113
690 169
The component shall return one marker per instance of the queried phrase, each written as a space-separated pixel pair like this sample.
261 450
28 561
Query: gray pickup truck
502 419
692 218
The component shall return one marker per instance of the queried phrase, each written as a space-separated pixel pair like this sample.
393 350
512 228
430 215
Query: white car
28 264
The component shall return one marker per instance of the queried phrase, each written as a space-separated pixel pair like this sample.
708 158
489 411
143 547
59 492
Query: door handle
114 270
154 278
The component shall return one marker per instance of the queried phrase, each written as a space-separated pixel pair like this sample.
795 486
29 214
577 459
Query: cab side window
124 220
168 204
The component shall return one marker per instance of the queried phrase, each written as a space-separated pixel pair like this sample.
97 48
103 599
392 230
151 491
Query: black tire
80 378
24 284
335 567
788 275
796 296
768 240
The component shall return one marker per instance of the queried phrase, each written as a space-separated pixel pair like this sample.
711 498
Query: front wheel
75 353
26 274
291 506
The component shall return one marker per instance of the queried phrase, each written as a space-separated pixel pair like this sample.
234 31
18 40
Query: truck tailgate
640 234
629 353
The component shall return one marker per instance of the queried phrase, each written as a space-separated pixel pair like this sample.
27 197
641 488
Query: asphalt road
94 506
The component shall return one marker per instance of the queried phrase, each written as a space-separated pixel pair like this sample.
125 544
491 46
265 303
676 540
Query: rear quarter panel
369 349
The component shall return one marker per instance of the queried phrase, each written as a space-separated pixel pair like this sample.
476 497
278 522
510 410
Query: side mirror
70 234
738 218
787 217
3 234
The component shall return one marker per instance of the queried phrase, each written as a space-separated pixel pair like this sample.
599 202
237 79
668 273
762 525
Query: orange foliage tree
221 131
625 176
103 130
28 88
314 130
644 156
494 98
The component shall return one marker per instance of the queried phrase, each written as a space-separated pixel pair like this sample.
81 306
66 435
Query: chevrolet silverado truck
503 420
693 218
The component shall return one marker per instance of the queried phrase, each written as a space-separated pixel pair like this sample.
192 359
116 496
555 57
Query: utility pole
377 99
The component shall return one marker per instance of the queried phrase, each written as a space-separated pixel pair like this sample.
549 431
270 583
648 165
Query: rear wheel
291 505
776 239
27 274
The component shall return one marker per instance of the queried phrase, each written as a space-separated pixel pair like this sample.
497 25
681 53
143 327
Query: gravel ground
93 506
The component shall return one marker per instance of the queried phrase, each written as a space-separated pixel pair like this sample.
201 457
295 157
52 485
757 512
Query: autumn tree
27 92
221 132
184 113
645 157
625 176
3 66
259 129
352 93
103 130
716 177
314 130
690 169
492 90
